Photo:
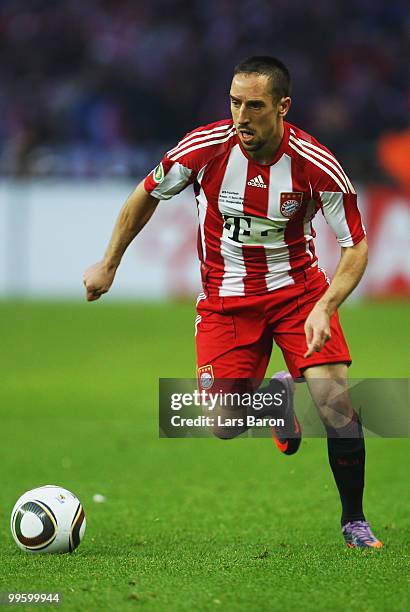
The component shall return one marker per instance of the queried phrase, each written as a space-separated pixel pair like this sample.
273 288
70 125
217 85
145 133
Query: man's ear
284 106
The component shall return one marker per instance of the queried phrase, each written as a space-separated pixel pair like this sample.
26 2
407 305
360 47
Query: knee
335 412
332 418
331 396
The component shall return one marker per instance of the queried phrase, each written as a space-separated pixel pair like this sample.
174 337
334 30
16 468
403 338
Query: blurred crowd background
92 88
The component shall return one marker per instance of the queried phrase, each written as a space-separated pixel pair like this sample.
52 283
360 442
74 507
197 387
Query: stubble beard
254 146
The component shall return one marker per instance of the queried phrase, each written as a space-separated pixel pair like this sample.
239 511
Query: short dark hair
270 67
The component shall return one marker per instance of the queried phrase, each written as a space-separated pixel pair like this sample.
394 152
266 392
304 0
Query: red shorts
235 334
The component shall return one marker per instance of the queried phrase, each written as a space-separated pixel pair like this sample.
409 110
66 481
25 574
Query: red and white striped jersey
255 220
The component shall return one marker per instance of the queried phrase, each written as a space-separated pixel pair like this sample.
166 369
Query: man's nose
243 115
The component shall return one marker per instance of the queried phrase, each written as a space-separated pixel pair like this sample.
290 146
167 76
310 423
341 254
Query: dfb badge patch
290 202
206 377
158 173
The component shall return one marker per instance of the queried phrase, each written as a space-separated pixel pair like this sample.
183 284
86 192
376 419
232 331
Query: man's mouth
247 135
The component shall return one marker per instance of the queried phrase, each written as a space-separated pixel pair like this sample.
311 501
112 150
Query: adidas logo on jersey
257 182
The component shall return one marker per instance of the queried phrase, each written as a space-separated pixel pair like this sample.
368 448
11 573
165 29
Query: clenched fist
97 280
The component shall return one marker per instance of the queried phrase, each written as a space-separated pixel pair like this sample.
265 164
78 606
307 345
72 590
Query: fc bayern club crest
206 377
290 202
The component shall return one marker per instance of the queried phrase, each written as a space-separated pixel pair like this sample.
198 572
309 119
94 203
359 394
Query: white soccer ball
48 519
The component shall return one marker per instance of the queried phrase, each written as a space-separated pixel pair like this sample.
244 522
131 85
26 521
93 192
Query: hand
317 330
97 280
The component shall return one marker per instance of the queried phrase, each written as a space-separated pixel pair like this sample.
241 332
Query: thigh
233 347
230 360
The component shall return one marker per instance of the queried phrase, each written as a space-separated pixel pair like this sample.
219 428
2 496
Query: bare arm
352 265
135 213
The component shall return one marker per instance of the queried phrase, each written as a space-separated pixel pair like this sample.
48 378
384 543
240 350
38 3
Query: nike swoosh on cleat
282 446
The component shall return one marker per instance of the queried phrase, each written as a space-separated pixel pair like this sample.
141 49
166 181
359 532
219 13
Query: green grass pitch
192 524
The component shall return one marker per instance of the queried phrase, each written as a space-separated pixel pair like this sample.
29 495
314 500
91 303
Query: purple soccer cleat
357 534
289 437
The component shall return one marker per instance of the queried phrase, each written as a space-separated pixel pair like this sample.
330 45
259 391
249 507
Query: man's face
255 114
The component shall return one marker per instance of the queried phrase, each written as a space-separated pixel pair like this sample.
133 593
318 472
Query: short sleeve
342 215
337 198
168 178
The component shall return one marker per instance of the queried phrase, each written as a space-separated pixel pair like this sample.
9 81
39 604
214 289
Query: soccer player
258 182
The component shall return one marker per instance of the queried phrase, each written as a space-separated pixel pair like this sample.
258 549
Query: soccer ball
48 519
